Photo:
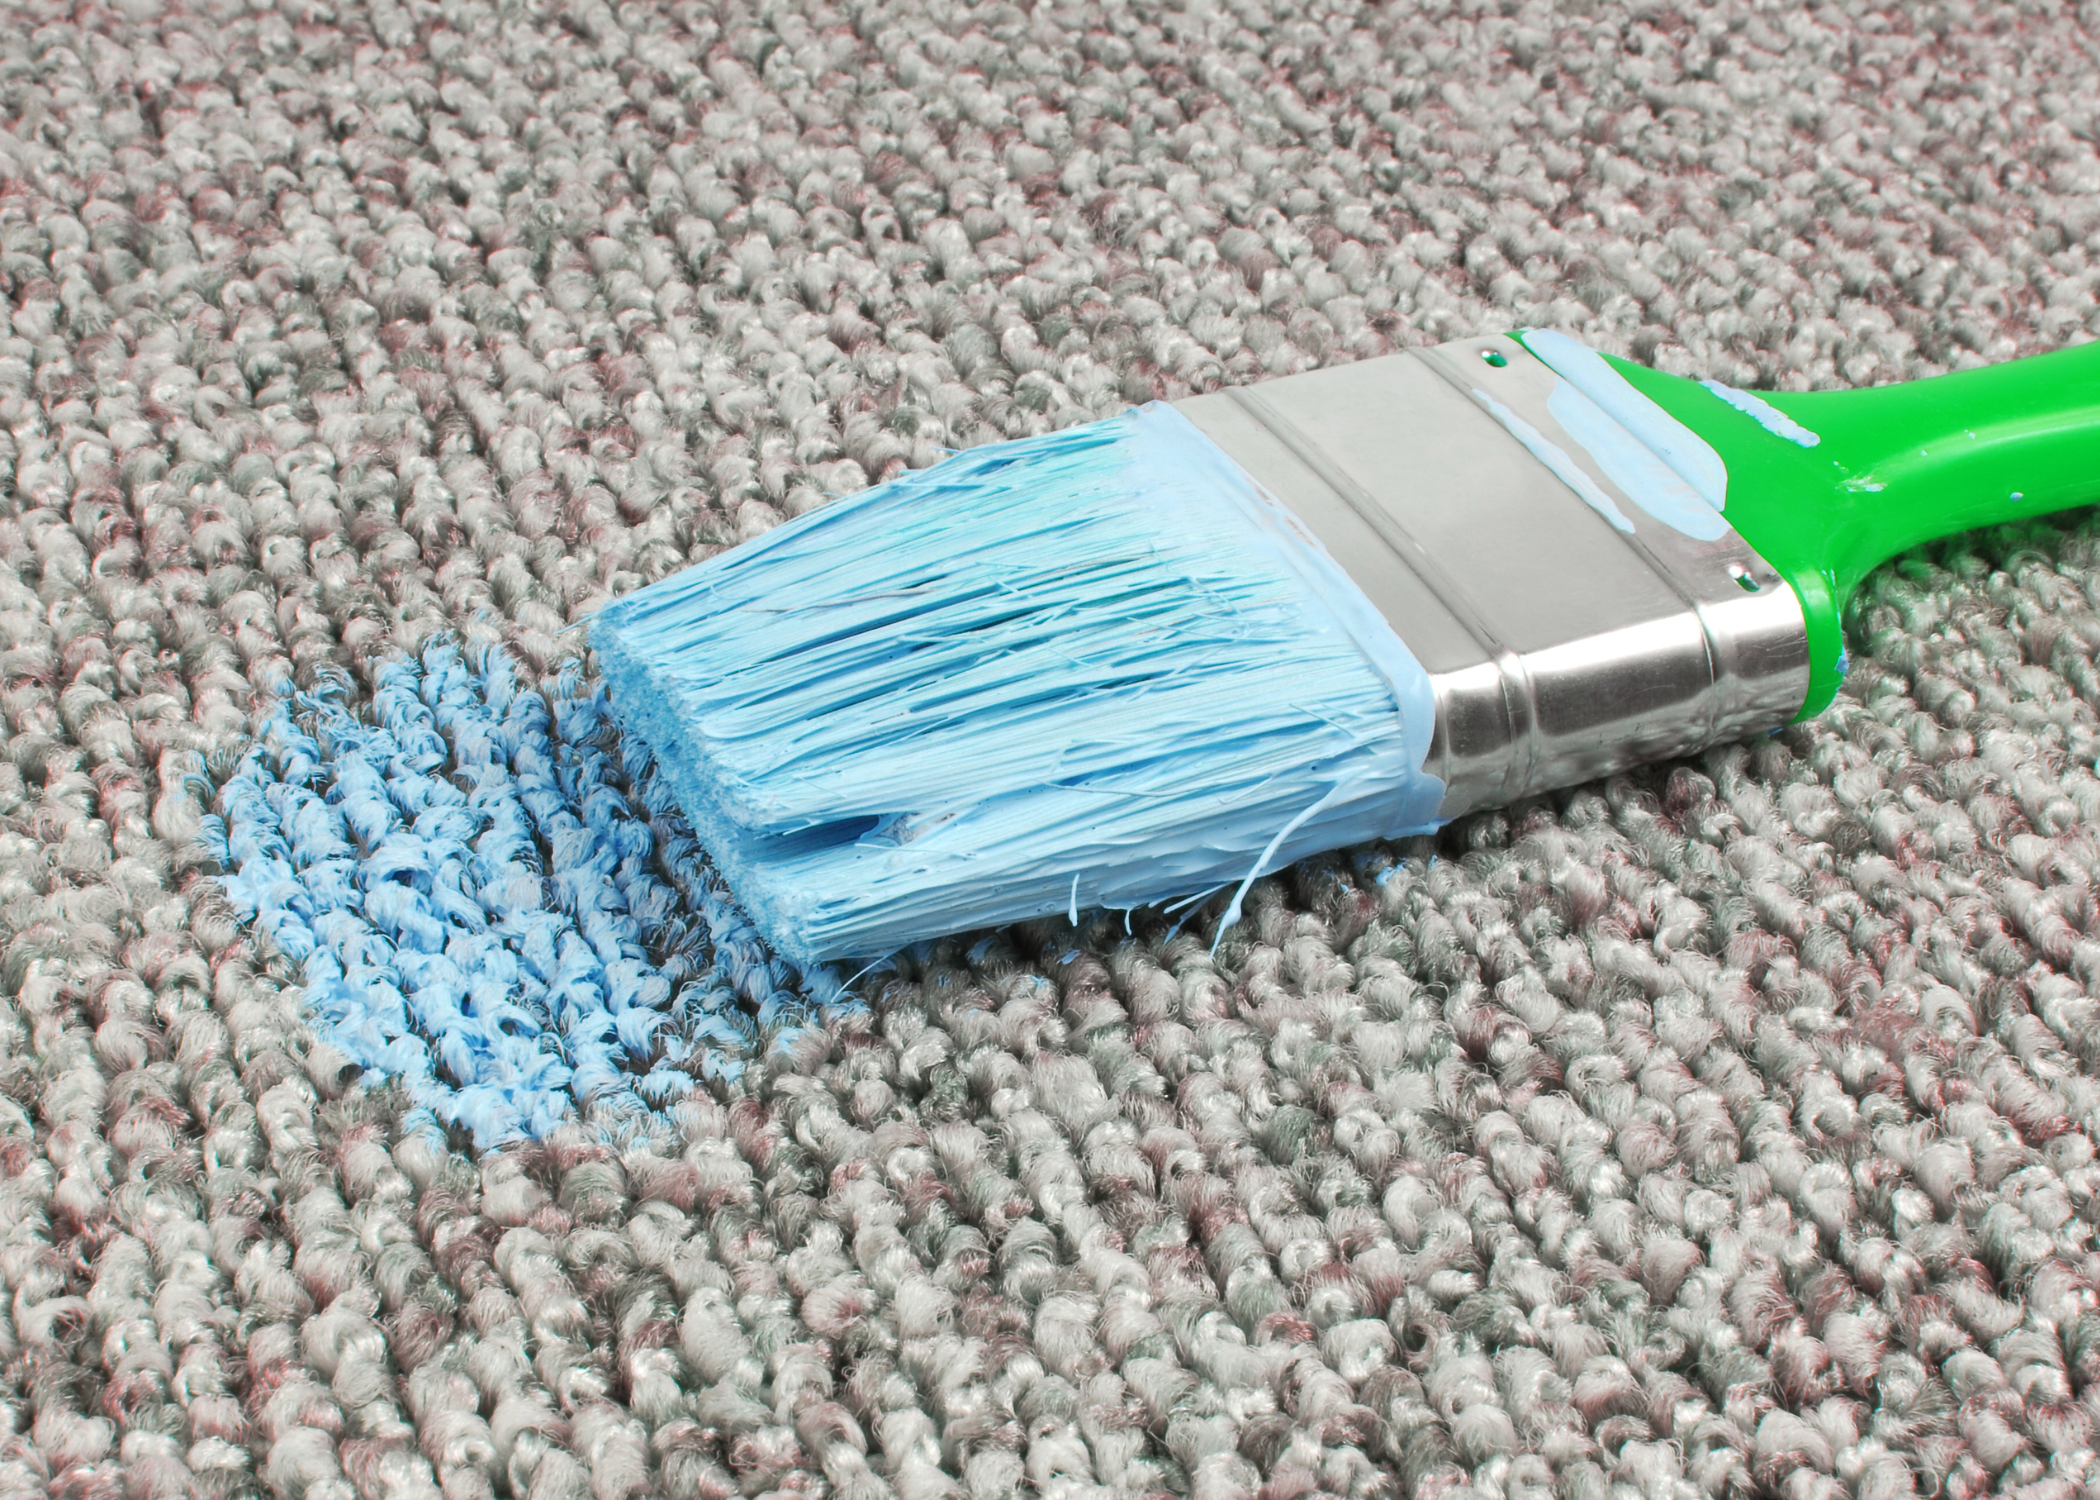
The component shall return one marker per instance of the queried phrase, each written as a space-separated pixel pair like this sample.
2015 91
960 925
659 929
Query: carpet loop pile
392 1104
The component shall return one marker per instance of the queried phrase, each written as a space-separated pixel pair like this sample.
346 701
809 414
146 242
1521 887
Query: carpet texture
1724 1130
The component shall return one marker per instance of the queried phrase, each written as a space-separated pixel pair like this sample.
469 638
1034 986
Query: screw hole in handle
1494 357
1743 577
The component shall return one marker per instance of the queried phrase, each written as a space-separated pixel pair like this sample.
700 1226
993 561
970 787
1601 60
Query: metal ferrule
1562 647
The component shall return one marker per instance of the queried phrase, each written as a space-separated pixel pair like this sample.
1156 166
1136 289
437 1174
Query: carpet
1723 1130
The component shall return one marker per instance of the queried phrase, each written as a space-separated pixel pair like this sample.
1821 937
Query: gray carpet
1723 1130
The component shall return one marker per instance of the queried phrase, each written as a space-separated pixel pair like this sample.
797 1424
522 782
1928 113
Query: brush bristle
1103 656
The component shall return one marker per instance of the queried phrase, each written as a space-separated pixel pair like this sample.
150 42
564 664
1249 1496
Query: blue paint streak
1675 444
1555 457
488 902
1646 480
1103 654
1765 414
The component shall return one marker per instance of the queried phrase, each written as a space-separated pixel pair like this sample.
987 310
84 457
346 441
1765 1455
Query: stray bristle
1096 668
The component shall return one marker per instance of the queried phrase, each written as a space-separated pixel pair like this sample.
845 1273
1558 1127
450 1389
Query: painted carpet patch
490 905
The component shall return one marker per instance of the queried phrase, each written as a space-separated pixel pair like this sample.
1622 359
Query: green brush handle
1895 466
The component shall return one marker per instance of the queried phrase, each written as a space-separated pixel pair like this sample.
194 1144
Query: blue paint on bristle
480 909
1102 656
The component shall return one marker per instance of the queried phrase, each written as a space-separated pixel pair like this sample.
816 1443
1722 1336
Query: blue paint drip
493 900
1103 654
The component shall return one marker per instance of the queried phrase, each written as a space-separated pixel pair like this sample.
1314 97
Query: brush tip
1096 668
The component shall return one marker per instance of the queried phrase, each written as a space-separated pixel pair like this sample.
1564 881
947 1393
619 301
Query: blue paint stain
493 899
1104 653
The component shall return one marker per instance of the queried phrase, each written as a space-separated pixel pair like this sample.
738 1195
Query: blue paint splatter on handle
494 900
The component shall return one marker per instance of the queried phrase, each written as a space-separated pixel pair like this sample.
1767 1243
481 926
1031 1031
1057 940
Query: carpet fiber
1724 1130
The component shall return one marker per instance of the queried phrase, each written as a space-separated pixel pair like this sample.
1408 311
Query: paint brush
1155 657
